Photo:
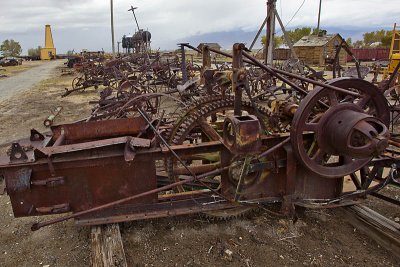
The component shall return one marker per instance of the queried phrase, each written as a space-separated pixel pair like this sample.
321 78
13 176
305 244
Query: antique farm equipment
224 154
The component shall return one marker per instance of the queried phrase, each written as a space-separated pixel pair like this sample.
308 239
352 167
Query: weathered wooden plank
384 231
107 247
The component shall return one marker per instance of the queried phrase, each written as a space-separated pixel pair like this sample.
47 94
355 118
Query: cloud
86 24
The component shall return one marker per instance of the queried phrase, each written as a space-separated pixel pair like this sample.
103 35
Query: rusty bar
99 129
272 149
193 48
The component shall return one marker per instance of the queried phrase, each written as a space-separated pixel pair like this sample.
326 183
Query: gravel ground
26 80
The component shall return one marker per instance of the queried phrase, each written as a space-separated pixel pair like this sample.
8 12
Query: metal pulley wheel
334 134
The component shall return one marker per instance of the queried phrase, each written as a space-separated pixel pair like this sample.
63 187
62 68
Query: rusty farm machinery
237 141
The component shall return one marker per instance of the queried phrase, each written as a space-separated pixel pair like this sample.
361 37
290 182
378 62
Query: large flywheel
335 134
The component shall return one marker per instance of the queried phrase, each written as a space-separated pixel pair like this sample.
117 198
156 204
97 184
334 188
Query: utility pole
269 49
319 16
112 27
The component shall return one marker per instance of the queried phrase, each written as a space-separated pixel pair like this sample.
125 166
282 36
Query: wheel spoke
333 100
209 130
318 156
310 127
363 101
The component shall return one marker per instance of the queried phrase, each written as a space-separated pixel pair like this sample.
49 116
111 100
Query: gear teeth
230 213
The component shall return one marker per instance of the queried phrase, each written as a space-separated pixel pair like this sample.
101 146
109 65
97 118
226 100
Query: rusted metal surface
232 137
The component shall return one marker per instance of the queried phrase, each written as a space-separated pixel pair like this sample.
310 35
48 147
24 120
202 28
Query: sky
85 24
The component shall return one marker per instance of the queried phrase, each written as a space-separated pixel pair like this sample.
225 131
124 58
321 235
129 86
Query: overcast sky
78 24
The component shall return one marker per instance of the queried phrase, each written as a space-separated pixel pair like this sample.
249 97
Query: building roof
314 40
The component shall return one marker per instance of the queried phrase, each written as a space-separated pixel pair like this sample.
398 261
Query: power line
294 15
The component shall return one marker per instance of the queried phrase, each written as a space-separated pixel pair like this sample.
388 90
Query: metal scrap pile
167 137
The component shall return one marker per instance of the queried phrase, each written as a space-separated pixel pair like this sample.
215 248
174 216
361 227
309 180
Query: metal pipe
192 47
272 149
134 15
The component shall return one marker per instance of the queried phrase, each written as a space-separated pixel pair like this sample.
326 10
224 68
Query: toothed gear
229 213
201 109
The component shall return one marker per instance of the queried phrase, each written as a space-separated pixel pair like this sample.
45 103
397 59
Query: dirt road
27 79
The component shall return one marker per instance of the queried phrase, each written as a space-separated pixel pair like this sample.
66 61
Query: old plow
241 141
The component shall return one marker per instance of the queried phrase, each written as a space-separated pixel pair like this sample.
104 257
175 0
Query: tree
34 52
278 40
349 41
298 33
358 44
381 36
10 48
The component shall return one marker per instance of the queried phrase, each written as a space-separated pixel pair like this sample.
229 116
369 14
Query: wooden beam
107 247
384 231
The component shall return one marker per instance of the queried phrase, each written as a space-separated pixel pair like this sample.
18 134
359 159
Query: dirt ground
317 238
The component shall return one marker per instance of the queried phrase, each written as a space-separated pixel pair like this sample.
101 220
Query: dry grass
26 65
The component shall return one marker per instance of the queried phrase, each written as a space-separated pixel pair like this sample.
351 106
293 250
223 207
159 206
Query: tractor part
341 138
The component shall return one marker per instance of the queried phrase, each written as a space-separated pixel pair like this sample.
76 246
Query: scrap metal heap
237 140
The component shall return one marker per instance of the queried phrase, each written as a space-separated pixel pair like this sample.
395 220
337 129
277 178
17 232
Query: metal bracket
17 153
36 135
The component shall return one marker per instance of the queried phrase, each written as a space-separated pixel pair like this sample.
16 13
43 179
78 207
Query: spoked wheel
77 82
335 134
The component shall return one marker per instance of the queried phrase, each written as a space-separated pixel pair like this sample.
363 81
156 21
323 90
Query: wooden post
269 49
384 231
107 247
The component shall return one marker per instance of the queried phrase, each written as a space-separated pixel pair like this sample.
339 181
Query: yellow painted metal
395 45
48 51
394 54
395 59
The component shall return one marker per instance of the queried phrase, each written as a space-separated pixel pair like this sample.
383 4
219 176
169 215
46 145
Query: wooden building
317 49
